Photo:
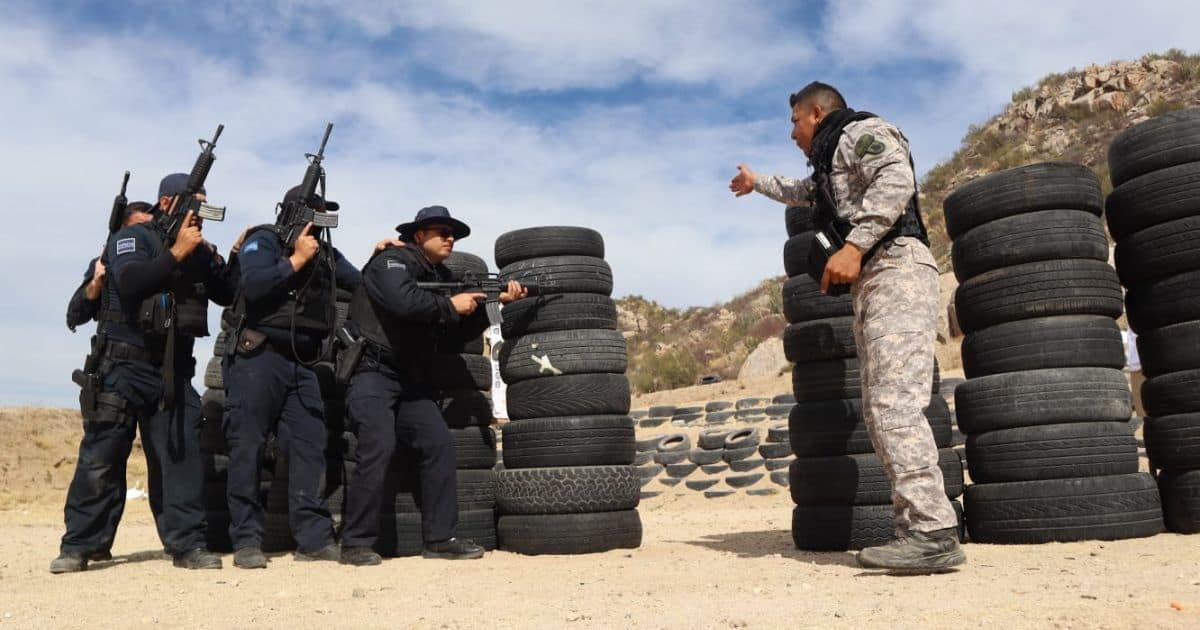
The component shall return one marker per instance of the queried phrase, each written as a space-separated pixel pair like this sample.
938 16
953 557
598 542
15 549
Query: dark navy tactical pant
385 412
171 440
264 391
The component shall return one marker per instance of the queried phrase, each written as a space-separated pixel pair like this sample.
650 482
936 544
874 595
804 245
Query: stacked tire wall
462 376
840 488
1045 406
567 485
1153 214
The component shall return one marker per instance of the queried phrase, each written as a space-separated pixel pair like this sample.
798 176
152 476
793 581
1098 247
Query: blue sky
626 117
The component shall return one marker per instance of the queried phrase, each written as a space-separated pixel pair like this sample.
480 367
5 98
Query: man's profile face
437 241
135 217
805 118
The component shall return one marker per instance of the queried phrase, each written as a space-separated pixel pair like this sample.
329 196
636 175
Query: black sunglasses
441 230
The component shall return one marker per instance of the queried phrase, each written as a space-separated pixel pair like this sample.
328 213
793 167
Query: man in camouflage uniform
869 176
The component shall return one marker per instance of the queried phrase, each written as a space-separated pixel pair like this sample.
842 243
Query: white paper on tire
499 403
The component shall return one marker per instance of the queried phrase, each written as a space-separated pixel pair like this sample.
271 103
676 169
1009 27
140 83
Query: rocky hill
1070 116
1065 117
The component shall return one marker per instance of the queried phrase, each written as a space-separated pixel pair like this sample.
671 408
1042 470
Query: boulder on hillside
764 361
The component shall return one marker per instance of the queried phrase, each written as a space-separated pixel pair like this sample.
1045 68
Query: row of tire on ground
1153 214
716 412
568 484
840 488
717 462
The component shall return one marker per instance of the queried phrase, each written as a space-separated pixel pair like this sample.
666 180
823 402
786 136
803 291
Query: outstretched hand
743 182
388 242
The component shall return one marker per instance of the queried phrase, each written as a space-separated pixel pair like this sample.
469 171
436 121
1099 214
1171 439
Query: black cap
173 184
293 195
433 215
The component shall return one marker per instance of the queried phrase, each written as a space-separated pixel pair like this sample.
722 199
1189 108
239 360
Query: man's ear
818 112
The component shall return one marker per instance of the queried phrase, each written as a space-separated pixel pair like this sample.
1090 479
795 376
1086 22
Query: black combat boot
68 563
100 556
360 557
452 549
328 552
249 558
198 559
918 552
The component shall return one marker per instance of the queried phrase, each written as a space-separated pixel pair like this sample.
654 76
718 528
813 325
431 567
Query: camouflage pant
895 323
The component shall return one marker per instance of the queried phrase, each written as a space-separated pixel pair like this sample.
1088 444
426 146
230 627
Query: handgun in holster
349 355
827 239
88 379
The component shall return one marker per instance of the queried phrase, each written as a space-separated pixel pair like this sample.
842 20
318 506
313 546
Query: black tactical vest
825 144
309 304
182 304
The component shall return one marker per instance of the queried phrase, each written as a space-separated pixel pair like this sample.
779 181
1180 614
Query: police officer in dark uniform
287 309
389 399
154 304
85 302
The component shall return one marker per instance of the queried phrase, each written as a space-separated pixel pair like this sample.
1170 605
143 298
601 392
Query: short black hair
823 94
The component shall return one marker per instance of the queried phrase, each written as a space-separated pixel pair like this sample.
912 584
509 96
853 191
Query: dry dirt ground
704 563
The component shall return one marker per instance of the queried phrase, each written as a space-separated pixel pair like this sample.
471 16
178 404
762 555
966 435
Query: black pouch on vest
250 342
191 316
154 314
826 242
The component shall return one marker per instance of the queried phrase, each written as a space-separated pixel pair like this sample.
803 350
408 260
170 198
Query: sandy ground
704 563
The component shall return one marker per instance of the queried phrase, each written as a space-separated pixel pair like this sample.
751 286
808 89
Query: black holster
348 356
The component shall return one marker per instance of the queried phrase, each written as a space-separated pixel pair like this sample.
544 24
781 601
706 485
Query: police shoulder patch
126 245
252 246
868 144
395 264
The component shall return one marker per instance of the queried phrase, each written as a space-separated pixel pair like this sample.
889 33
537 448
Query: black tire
1037 397
713 439
718 417
460 263
1172 393
1040 289
736 454
576 394
1154 199
400 534
1181 500
646 445
826 380
661 411
1030 237
858 479
1064 510
567 311
1170 348
473 346
717 405
714 469
803 301
219 343
1164 302
775 450
674 443
741 438
1173 441
562 274
647 472
569 441
1159 143
703 457
836 427
842 527
1053 451
563 352
567 490
466 408
779 432
539 242
1044 342
474 447
461 371
212 405
798 219
476 490
534 534
742 481
700 484
214 378
819 340
746 465
671 457
212 437
1045 186
795 254
1164 250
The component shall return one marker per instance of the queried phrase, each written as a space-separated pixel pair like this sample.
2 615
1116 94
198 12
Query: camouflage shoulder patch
868 145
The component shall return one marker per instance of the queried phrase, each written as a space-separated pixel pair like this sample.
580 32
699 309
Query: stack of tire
1045 406
215 450
840 488
463 377
568 485
1154 215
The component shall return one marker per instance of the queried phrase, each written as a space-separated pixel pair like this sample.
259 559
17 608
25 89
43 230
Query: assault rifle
186 200
295 214
120 204
488 284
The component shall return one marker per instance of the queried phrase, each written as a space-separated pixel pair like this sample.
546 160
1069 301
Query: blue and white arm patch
252 246
392 264
126 246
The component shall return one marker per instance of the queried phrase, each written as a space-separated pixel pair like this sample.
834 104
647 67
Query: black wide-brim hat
293 194
435 215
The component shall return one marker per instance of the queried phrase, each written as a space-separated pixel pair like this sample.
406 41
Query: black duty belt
121 351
